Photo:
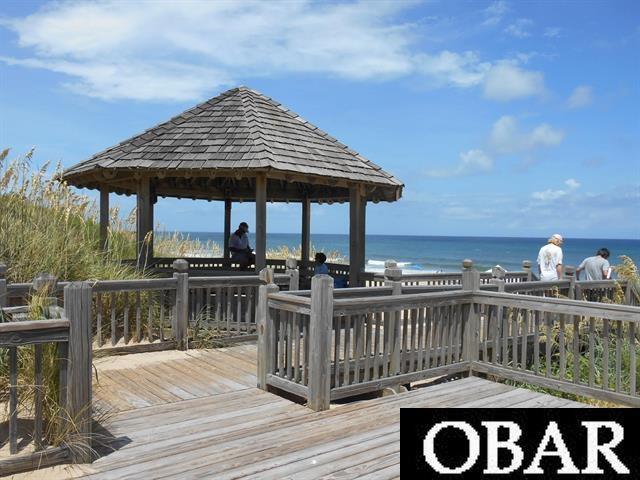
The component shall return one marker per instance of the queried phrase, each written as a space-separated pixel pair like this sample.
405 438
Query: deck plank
198 414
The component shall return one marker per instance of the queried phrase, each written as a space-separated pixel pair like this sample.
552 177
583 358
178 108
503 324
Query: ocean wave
376 263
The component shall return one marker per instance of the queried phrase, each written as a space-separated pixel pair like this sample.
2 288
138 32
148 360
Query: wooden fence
21 346
159 313
328 344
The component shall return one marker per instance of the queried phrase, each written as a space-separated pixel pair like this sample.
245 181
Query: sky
501 118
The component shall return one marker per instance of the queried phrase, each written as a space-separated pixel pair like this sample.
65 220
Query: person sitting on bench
321 267
241 251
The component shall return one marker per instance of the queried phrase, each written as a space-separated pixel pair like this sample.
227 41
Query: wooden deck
198 414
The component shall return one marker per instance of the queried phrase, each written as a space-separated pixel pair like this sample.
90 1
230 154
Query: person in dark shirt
321 267
241 251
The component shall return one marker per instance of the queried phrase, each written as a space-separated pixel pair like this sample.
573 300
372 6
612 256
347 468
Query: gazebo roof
217 148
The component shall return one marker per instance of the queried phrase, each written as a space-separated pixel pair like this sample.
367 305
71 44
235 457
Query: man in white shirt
550 259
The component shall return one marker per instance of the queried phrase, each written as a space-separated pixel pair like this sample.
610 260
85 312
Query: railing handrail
134 284
611 311
33 325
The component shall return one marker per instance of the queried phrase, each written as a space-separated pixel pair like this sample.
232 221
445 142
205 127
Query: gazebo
238 146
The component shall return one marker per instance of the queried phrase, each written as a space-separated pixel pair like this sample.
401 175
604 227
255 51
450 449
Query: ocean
440 253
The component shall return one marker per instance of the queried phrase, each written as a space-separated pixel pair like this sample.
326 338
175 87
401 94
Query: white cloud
178 51
552 32
507 138
471 162
495 12
581 96
550 195
519 28
506 81
450 68
116 49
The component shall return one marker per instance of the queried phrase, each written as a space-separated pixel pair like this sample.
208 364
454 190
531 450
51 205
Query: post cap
393 273
291 263
526 264
3 270
498 272
569 270
266 275
467 263
180 265
390 264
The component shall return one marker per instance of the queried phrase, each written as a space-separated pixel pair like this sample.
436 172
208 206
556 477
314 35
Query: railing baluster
387 342
150 316
605 368
592 353
632 359
13 400
305 339
289 341
138 318
239 313
576 349
112 305
525 338
428 341
99 319
296 356
282 324
414 333
346 379
536 343
421 337
37 420
515 314
376 346
218 307
618 355
161 330
228 293
368 344
359 332
336 351
126 318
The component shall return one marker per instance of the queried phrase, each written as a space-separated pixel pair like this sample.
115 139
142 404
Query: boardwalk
198 415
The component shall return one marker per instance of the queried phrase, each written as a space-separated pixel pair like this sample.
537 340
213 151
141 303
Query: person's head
244 227
603 252
556 239
321 257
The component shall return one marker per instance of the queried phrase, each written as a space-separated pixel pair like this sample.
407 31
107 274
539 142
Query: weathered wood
134 285
320 342
356 241
13 400
3 286
38 387
227 231
287 385
38 460
266 335
556 384
305 241
104 217
77 305
144 227
261 223
181 309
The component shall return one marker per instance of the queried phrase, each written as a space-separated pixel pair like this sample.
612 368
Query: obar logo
525 443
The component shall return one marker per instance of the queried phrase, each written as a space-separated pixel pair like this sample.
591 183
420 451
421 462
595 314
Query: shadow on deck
198 414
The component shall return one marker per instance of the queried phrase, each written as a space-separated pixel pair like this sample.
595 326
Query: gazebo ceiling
215 150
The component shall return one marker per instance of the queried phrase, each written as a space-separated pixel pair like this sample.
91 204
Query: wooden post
305 241
321 325
261 222
471 283
266 332
570 274
356 236
393 279
181 316
77 308
104 217
526 266
144 230
294 275
227 232
3 285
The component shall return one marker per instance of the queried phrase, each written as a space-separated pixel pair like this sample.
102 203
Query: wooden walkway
198 414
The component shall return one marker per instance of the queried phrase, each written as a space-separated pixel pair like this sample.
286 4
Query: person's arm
579 269
606 270
559 267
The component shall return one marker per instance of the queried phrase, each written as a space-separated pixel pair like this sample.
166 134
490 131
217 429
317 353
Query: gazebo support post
306 236
357 206
261 222
104 217
144 222
227 232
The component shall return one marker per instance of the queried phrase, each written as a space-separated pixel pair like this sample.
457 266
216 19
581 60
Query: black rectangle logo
598 443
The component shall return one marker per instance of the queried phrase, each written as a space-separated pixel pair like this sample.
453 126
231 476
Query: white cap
556 236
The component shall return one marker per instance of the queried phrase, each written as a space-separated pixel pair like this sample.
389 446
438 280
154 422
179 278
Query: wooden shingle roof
236 135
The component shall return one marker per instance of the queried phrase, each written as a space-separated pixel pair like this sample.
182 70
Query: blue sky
502 118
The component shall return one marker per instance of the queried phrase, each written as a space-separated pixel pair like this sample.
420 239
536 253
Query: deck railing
159 313
328 344
27 425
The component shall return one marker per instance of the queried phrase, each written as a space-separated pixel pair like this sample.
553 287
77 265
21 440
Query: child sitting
321 267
